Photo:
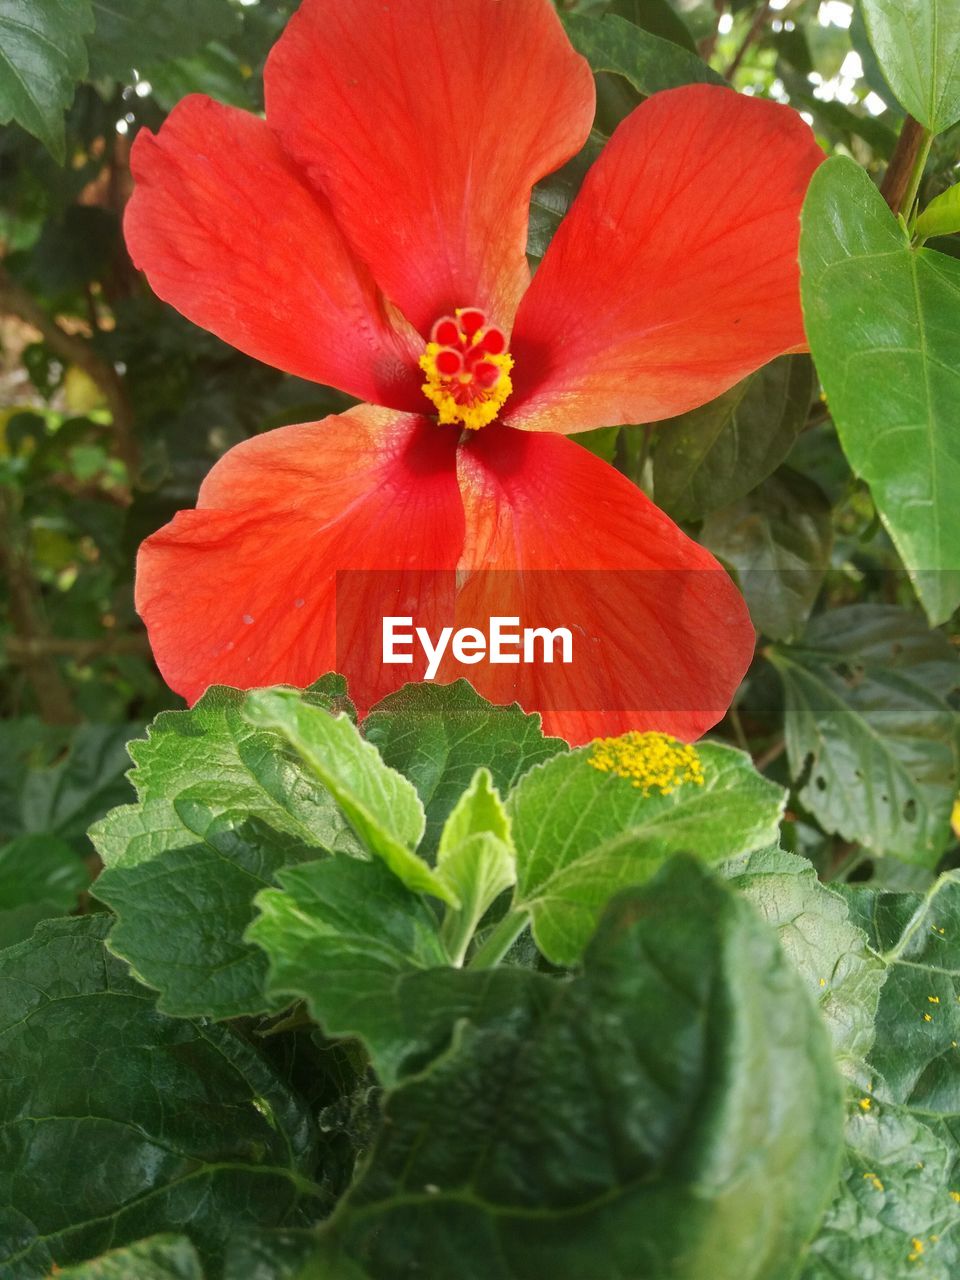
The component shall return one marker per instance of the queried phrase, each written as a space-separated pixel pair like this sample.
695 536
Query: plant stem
902 179
759 21
500 940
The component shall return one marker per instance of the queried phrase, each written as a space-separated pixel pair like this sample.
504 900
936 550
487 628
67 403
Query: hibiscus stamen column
468 368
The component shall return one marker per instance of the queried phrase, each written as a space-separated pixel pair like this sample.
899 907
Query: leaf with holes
871 740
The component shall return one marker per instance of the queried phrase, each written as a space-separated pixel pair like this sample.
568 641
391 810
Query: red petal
675 273
661 637
229 234
427 122
243 590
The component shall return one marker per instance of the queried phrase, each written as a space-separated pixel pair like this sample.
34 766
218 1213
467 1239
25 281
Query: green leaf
828 950
941 217
380 804
162 1257
894 1191
550 200
903 1159
66 798
870 739
883 322
778 539
582 833
650 64
365 953
918 1021
40 877
569 1141
918 45
476 859
132 35
223 806
117 1123
42 56
657 17
439 735
716 454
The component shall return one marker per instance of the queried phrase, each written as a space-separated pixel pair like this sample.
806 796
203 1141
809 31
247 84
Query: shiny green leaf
883 322
161 1257
649 63
941 217
918 45
42 56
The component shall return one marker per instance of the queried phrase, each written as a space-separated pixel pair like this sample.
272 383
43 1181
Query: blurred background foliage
113 408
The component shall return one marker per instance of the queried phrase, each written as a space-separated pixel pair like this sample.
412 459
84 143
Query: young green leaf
365 953
439 735
883 322
42 56
569 1141
941 217
116 1123
476 859
828 950
779 540
581 833
223 806
649 63
714 455
918 45
871 740
380 804
161 1257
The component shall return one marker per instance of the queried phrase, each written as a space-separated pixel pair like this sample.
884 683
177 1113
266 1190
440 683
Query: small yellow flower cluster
650 761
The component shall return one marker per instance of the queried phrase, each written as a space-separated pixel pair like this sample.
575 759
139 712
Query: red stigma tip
494 341
449 362
471 319
446 332
486 374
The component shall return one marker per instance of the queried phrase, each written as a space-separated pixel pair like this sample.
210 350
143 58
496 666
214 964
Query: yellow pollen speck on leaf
917 1246
955 1197
928 1017
874 1181
457 398
865 1104
955 818
650 761
934 999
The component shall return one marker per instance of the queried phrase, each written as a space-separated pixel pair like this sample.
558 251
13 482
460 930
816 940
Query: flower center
468 368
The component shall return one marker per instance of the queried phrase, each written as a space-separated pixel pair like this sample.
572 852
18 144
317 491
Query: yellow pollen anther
650 761
467 369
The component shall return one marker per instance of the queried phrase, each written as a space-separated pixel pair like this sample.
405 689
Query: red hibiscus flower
370 234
